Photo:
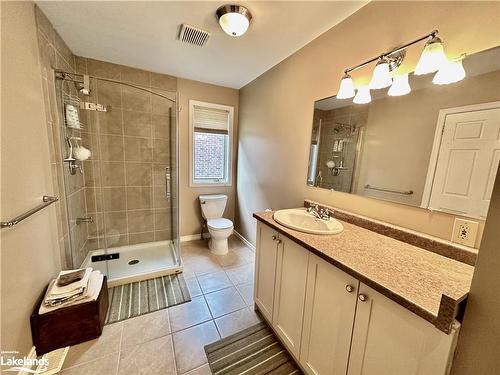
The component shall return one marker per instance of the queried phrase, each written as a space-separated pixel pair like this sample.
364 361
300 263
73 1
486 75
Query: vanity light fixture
432 56
400 85
432 59
346 89
381 77
451 71
233 19
363 95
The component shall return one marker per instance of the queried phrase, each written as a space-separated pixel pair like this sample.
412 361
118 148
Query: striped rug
142 297
255 350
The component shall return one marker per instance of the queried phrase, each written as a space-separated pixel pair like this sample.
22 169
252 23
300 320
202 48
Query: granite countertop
428 284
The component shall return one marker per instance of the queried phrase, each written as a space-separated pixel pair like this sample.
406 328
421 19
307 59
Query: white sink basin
301 220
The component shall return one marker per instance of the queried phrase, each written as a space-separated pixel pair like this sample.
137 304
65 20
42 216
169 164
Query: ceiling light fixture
432 56
451 71
363 95
346 89
233 19
431 60
381 77
400 86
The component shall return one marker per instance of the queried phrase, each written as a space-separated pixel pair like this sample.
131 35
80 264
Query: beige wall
276 109
477 351
29 251
191 219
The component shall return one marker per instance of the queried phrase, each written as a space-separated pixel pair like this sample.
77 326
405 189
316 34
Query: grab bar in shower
404 192
47 201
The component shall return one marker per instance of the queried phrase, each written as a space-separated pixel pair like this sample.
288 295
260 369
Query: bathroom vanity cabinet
334 324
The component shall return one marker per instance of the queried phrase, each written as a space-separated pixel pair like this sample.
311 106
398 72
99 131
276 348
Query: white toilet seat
219 224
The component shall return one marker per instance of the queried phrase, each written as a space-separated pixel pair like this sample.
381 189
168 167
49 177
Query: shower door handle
167 183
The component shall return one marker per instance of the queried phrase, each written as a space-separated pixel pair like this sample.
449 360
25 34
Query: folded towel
91 293
77 287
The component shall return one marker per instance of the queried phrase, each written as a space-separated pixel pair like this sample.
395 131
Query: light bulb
381 75
432 57
400 86
234 24
346 89
450 72
363 95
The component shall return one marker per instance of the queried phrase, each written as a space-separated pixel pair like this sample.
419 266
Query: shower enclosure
122 199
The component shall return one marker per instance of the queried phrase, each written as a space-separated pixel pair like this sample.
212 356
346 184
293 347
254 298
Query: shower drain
133 261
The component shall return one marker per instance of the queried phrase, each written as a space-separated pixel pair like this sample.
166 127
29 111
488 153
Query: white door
290 291
467 163
265 269
390 340
328 318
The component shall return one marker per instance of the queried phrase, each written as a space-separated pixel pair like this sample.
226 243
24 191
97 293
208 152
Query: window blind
210 120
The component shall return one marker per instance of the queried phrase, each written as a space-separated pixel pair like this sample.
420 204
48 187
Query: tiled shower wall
330 131
123 184
131 146
54 53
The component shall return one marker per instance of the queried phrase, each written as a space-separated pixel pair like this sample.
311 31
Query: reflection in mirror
437 147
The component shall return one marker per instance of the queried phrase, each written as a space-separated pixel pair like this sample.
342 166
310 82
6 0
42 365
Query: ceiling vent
193 35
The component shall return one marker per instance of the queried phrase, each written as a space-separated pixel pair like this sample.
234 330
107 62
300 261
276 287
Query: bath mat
255 350
142 297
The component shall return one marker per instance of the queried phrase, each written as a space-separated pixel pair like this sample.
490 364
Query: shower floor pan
136 262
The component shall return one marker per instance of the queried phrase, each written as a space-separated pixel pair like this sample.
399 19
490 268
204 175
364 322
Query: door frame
438 136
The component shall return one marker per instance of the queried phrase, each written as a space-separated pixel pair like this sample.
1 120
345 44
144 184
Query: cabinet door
265 269
390 340
290 291
328 318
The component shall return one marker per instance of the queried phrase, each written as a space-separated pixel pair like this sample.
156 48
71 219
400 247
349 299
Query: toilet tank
212 206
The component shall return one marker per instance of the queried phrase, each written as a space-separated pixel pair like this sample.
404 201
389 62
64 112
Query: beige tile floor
171 341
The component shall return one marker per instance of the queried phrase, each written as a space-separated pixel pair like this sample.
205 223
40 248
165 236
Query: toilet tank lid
212 197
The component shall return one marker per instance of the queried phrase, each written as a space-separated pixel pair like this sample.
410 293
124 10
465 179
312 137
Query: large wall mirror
437 147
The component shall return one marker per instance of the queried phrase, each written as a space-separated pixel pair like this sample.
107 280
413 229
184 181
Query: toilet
212 209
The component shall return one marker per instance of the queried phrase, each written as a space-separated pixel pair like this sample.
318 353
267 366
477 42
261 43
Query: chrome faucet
320 213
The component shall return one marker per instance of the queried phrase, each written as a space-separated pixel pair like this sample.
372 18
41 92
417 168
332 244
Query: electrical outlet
465 232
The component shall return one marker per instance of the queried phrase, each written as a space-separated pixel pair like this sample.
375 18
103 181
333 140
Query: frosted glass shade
234 24
450 72
432 57
400 86
381 76
363 95
346 89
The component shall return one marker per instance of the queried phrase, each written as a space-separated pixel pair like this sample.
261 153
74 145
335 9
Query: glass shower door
130 187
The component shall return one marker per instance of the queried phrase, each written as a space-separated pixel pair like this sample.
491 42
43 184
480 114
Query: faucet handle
312 207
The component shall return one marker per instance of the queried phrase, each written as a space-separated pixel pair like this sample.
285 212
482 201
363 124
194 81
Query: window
211 130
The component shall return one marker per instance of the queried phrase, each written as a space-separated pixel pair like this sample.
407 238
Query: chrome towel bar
404 192
47 201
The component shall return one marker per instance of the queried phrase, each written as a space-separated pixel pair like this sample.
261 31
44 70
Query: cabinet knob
279 241
362 297
349 288
274 237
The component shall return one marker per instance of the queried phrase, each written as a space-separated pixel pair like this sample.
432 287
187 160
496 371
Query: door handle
168 186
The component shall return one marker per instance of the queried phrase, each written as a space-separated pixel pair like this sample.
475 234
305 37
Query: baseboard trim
194 237
244 240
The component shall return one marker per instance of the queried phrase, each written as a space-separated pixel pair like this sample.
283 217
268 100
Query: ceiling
143 34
